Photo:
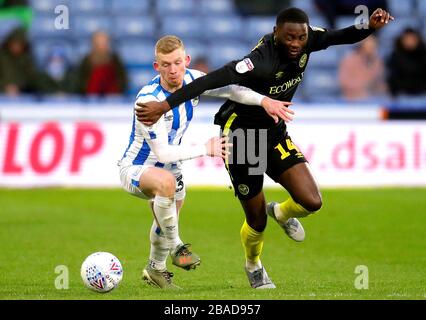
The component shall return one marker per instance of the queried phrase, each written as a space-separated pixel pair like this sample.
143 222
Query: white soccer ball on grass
101 272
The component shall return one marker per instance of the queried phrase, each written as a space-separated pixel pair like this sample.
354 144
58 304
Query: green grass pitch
383 229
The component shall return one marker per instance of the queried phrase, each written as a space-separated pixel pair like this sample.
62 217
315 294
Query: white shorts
130 177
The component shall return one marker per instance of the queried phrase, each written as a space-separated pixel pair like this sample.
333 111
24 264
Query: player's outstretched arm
350 35
274 108
149 112
158 140
214 147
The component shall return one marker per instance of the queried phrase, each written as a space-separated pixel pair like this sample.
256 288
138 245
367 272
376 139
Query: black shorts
256 152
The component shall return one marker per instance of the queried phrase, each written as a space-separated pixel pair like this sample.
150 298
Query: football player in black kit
274 68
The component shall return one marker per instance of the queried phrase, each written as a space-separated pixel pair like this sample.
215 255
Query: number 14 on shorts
286 153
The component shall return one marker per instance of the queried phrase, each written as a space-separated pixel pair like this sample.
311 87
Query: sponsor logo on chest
286 85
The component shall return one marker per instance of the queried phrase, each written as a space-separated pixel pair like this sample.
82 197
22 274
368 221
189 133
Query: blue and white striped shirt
174 123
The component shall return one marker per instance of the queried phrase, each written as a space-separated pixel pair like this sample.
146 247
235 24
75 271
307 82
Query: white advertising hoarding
373 153
83 151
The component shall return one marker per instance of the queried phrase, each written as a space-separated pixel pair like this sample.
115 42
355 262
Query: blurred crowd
362 73
100 72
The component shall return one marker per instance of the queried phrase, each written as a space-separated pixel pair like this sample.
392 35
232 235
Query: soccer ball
101 272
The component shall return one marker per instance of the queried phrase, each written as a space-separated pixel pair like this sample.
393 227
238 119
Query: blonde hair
168 44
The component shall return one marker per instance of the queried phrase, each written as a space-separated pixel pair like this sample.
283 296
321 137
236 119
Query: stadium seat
217 7
84 45
18 100
88 7
327 98
195 49
307 5
136 53
393 30
42 48
63 100
345 21
321 82
47 6
223 52
176 7
404 101
385 49
122 7
82 48
424 31
257 26
300 93
133 25
7 26
230 27
44 26
86 25
117 99
182 26
401 9
421 8
139 77
95 100
318 21
329 58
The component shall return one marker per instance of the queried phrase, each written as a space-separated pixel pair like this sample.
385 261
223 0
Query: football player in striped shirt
151 166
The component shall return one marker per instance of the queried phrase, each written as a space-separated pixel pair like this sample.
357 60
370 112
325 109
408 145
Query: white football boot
292 227
259 279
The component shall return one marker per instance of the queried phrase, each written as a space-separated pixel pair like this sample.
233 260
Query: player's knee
313 204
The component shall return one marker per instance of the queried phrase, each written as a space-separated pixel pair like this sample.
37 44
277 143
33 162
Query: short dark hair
292 15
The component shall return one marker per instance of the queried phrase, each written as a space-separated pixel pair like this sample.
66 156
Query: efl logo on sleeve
244 66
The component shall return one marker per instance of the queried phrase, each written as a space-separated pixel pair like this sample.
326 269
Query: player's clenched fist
380 18
149 112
